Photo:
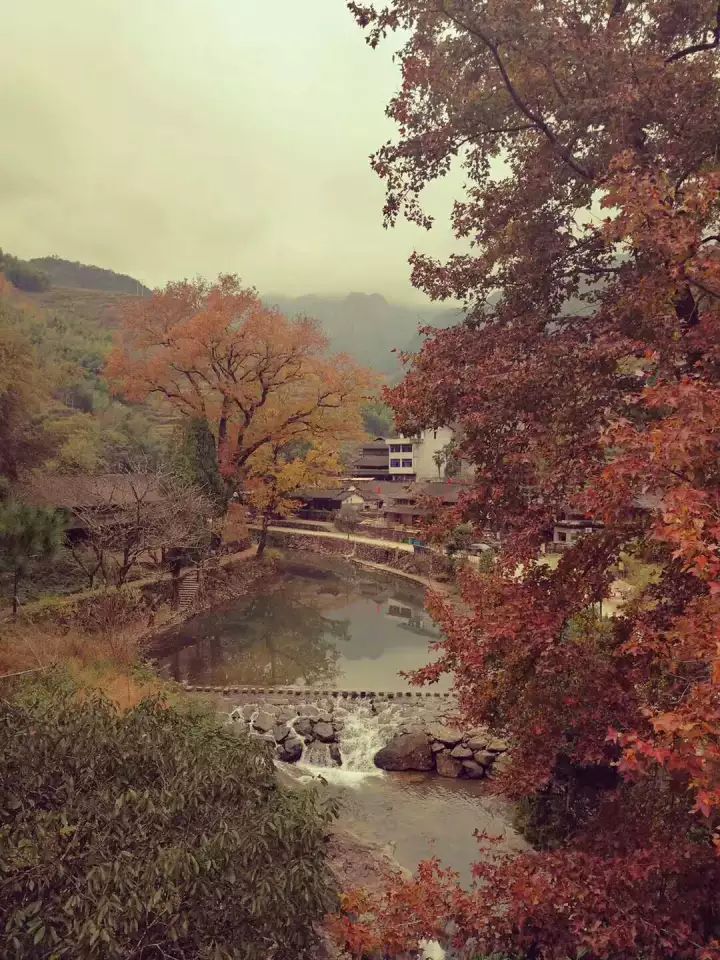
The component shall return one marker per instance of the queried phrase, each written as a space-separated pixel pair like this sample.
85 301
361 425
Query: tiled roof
327 493
84 490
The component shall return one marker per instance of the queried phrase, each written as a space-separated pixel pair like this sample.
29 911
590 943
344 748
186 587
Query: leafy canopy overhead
585 377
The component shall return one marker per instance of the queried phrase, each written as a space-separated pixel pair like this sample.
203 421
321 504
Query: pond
314 621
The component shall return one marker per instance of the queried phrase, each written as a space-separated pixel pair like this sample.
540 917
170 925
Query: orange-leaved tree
277 475
213 350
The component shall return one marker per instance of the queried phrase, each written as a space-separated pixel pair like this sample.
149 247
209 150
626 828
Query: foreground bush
149 834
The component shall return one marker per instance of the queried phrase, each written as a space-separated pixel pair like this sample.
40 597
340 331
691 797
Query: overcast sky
167 138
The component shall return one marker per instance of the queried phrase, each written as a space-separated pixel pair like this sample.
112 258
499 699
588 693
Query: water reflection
314 621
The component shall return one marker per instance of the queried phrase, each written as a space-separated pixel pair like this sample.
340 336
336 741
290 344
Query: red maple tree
586 375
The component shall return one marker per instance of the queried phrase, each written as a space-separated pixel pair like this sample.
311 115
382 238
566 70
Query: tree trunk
16 584
262 539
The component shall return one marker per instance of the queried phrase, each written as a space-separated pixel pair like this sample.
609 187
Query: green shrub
150 834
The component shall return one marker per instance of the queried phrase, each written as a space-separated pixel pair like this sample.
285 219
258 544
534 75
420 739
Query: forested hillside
67 273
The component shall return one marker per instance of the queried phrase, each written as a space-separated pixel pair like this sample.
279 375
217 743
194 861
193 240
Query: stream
324 621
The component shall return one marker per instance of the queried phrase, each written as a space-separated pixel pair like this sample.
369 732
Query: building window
407 448
562 537
407 463
395 447
394 463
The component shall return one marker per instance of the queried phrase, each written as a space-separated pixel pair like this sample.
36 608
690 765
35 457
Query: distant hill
68 273
366 326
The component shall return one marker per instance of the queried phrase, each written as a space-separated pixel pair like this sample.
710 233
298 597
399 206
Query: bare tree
137 515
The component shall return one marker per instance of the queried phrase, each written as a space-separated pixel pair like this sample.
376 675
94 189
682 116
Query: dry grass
105 659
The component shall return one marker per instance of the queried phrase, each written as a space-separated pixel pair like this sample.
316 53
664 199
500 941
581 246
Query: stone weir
324 729
283 693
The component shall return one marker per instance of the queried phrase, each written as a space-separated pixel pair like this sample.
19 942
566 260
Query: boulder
248 710
280 732
303 726
498 746
502 762
290 750
447 766
286 713
485 758
461 752
324 731
335 754
447 735
408 751
264 721
437 746
472 770
325 716
478 742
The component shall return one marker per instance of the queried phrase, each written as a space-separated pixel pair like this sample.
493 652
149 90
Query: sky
172 138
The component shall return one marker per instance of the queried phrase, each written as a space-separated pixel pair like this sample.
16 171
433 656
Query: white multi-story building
414 458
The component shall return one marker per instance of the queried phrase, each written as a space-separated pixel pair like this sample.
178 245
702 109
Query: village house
322 502
103 496
407 505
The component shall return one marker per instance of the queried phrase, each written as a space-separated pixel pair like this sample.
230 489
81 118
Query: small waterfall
363 735
317 754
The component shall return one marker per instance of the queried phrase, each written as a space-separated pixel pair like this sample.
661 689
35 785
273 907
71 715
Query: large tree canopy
585 374
214 351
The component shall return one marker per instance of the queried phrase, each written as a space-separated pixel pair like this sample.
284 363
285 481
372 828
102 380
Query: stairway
189 586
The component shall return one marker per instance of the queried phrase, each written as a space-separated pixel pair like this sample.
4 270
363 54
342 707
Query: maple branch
535 118
702 46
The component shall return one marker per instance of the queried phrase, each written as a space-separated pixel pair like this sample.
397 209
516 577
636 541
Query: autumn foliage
585 375
214 351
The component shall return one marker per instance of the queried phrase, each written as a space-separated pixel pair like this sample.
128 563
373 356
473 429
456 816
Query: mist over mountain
366 325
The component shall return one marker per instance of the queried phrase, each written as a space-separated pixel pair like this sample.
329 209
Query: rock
324 717
264 721
338 725
447 766
310 710
461 753
485 758
498 746
248 710
303 726
290 750
286 714
472 770
280 732
447 735
477 742
437 746
324 731
335 755
409 751
502 763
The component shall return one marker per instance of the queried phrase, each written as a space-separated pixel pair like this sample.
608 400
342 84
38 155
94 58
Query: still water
315 621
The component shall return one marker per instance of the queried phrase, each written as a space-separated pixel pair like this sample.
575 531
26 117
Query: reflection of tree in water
277 638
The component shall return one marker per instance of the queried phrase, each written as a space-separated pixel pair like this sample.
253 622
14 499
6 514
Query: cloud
177 137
